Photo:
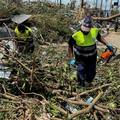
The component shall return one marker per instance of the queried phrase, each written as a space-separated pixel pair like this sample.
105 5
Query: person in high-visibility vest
83 45
24 39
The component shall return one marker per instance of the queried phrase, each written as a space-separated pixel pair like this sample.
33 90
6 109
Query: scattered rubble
42 86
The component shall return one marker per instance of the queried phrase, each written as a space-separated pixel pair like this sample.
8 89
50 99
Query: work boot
81 83
88 84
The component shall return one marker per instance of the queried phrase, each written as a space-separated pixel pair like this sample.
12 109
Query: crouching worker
83 45
24 39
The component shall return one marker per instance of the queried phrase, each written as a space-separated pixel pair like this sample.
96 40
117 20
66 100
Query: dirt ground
114 39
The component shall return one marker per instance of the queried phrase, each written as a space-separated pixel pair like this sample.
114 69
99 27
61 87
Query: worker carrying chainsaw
24 39
83 45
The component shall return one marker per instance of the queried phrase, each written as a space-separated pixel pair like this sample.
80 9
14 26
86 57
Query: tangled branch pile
42 86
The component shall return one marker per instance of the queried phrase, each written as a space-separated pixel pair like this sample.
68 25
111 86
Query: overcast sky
89 1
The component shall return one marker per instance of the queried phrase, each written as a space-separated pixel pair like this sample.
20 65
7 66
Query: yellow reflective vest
86 40
23 36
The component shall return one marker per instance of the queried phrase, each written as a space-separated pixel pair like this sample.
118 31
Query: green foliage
52 28
114 11
2 116
51 68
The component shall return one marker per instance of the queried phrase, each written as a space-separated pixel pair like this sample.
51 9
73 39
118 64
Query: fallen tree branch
88 91
32 93
102 115
8 96
55 118
88 109
101 109
9 32
95 116
78 102
108 18
18 61
4 110
81 102
61 110
63 92
24 66
3 87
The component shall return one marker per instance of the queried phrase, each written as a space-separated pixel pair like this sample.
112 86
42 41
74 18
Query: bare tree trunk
82 2
101 7
118 4
60 2
110 3
106 4
110 6
72 4
96 3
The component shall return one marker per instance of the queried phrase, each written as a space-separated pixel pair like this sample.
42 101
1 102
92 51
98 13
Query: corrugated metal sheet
4 32
20 18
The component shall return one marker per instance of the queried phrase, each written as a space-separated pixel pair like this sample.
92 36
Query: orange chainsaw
107 55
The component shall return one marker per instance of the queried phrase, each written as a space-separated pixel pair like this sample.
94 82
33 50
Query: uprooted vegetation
43 86
52 28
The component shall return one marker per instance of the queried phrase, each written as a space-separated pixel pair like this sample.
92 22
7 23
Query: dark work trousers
86 68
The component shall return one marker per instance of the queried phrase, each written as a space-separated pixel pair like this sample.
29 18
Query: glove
72 62
110 47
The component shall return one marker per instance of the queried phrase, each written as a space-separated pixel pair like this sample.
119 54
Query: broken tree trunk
108 18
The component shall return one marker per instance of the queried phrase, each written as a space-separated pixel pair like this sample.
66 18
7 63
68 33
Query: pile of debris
42 87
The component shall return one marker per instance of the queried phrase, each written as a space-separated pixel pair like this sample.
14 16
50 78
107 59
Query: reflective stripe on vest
83 54
24 35
85 40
